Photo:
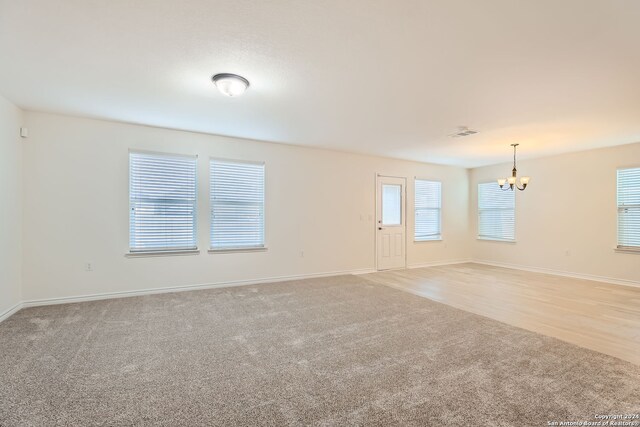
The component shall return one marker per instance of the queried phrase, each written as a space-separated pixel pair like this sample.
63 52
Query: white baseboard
109 295
182 288
439 263
11 311
614 281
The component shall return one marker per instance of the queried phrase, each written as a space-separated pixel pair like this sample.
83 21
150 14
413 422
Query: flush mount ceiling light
230 84
524 181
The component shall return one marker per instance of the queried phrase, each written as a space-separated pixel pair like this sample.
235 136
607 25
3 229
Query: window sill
237 250
161 253
439 239
487 239
628 250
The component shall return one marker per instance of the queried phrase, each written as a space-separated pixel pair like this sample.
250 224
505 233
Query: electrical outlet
88 266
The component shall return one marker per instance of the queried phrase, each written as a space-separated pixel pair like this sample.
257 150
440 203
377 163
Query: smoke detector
463 131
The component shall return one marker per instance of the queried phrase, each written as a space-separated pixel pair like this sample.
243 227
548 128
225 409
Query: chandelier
512 180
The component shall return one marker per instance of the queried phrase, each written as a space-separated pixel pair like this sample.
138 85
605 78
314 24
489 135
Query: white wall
10 205
318 202
74 195
570 205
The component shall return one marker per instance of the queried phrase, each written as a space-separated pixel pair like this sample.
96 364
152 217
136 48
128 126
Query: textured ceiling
390 78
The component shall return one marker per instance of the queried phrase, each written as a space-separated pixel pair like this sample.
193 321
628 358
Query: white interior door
391 226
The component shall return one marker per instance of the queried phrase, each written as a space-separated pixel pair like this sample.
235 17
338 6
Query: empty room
319 213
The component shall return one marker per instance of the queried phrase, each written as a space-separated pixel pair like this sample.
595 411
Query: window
629 208
237 204
391 204
496 212
428 202
162 202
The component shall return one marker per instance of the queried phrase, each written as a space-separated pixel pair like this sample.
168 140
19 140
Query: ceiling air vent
463 131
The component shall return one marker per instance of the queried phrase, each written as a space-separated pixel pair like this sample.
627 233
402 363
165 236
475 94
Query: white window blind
237 204
428 202
496 212
162 202
629 208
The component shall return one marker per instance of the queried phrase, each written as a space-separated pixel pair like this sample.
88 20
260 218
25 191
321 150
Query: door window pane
391 204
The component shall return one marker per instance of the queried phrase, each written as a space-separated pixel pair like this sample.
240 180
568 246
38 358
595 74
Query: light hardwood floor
595 315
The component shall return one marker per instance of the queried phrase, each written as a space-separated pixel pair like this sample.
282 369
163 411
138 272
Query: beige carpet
330 351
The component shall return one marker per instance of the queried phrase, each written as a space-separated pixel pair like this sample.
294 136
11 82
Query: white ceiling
385 77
